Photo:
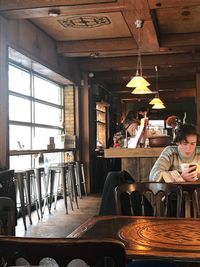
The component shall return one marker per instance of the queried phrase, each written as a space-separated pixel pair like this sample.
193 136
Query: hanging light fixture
158 106
141 89
138 81
156 101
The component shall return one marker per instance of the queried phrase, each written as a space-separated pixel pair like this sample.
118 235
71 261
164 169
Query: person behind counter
127 128
142 113
170 166
131 123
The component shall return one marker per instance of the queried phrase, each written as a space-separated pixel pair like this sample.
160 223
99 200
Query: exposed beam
165 96
41 9
155 4
181 39
21 4
140 10
125 63
114 75
165 86
114 44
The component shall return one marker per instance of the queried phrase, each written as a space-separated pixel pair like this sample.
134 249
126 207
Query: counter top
133 152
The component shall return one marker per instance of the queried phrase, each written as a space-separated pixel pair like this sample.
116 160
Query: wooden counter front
133 152
137 161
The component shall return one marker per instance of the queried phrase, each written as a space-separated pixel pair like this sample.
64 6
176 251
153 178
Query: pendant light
138 81
156 101
158 106
142 89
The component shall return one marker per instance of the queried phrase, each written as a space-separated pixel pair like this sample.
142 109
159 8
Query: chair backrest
148 199
61 250
7 187
197 201
113 179
7 216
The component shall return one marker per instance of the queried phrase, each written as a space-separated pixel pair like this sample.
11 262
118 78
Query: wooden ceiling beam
163 95
155 4
26 10
125 63
21 4
114 44
181 39
140 10
184 72
165 86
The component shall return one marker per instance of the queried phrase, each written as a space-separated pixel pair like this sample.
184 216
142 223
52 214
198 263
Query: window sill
31 152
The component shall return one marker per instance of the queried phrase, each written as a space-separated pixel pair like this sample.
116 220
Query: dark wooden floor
58 223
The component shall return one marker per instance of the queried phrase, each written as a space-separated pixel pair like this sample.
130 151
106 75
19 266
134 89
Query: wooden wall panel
4 137
138 167
198 100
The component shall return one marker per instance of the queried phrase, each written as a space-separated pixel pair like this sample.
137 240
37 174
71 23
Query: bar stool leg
35 194
63 175
26 181
77 178
51 181
46 191
69 188
38 174
57 181
83 179
73 181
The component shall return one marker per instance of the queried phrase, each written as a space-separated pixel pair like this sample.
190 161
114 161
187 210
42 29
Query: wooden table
148 237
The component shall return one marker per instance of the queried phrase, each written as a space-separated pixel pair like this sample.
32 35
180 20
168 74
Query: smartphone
192 165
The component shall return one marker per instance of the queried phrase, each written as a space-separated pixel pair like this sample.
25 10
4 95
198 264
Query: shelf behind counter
137 161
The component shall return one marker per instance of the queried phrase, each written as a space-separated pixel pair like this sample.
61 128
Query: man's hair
183 131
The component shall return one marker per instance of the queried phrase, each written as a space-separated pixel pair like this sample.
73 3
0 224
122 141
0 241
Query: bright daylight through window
35 113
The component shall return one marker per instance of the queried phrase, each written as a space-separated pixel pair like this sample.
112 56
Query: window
35 113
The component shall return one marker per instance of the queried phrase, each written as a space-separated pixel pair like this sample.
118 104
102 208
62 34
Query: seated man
170 166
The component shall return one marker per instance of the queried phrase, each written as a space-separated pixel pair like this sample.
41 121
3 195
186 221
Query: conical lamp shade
158 106
156 100
137 81
141 90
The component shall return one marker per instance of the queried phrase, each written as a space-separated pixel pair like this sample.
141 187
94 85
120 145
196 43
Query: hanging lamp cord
139 61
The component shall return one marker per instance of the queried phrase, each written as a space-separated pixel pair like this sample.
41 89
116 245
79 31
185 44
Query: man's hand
190 175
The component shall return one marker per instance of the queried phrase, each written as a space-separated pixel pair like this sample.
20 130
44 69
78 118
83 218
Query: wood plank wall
4 136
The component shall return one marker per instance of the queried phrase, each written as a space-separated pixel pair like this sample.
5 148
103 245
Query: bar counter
137 161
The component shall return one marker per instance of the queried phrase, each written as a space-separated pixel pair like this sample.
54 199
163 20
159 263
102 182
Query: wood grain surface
148 237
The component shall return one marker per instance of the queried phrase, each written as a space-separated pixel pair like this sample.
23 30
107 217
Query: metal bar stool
55 172
30 179
21 187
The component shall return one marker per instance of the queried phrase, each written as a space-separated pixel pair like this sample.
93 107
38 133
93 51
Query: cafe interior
70 72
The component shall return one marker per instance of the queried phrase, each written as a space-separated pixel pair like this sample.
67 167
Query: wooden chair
197 201
7 216
148 199
61 250
7 190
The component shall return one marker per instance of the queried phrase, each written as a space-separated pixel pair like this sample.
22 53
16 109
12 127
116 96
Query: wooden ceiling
103 36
